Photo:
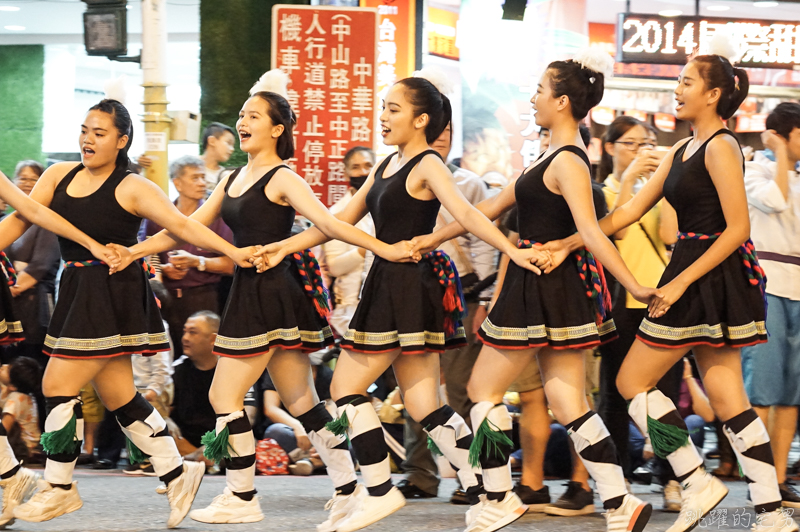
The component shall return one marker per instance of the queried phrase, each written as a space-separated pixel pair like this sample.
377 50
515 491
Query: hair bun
596 59
114 89
274 80
724 45
437 77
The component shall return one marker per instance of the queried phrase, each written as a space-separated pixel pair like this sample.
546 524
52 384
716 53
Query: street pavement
117 502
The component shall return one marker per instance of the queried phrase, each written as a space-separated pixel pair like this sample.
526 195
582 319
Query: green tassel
135 455
741 471
216 445
434 449
665 438
491 439
63 440
339 425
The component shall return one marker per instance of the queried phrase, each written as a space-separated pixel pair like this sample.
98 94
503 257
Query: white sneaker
494 515
182 491
778 521
49 502
371 510
339 506
474 511
631 516
702 492
228 508
672 496
16 489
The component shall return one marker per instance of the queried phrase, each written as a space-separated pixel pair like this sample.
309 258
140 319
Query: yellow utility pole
156 120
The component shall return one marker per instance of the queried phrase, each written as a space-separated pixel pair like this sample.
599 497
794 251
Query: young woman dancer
271 320
712 297
401 320
18 482
551 317
99 320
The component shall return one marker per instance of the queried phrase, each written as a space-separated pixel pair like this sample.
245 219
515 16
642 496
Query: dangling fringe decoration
62 440
308 267
8 268
433 448
216 445
491 439
666 438
135 455
339 425
453 301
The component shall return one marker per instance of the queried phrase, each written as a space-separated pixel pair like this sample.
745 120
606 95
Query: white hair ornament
274 80
114 89
437 77
595 59
724 45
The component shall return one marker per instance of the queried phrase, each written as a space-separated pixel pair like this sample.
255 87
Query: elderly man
346 262
190 274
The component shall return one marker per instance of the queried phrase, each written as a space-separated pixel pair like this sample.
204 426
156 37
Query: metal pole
697 8
156 121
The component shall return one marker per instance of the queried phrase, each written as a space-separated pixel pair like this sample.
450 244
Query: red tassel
449 299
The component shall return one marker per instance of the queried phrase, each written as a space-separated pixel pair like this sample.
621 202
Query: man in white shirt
772 370
346 262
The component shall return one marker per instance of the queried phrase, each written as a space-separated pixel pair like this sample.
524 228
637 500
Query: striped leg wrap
492 447
232 443
366 435
750 442
452 438
62 438
656 416
333 449
146 431
9 465
594 445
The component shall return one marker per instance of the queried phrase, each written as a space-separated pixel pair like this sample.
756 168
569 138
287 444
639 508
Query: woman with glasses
627 163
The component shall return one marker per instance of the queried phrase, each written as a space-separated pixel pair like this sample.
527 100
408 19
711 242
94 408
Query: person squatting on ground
550 317
274 319
408 313
118 313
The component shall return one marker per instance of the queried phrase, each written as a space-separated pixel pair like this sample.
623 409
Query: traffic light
105 27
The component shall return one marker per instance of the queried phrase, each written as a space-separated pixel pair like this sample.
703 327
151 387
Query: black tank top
544 215
691 192
396 214
99 215
254 219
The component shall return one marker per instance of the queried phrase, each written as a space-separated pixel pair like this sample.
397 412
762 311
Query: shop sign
396 38
654 39
664 121
329 54
603 115
442 26
751 123
638 115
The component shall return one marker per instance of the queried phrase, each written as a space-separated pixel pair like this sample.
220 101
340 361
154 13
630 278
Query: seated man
191 415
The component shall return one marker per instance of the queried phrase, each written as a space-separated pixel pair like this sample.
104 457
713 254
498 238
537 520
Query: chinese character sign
329 54
396 40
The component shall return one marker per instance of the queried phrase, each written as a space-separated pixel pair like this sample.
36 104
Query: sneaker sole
232 520
566 512
790 504
724 494
52 515
508 519
135 473
342 526
640 517
537 508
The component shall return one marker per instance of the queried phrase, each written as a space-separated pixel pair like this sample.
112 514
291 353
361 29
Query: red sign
638 115
329 54
751 123
664 121
396 56
603 115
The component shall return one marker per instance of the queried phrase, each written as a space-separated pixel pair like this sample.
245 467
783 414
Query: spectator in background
772 370
190 274
36 258
20 381
486 150
192 415
217 146
345 262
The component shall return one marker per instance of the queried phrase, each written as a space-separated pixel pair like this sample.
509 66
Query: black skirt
10 326
101 315
720 309
401 307
268 310
548 310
